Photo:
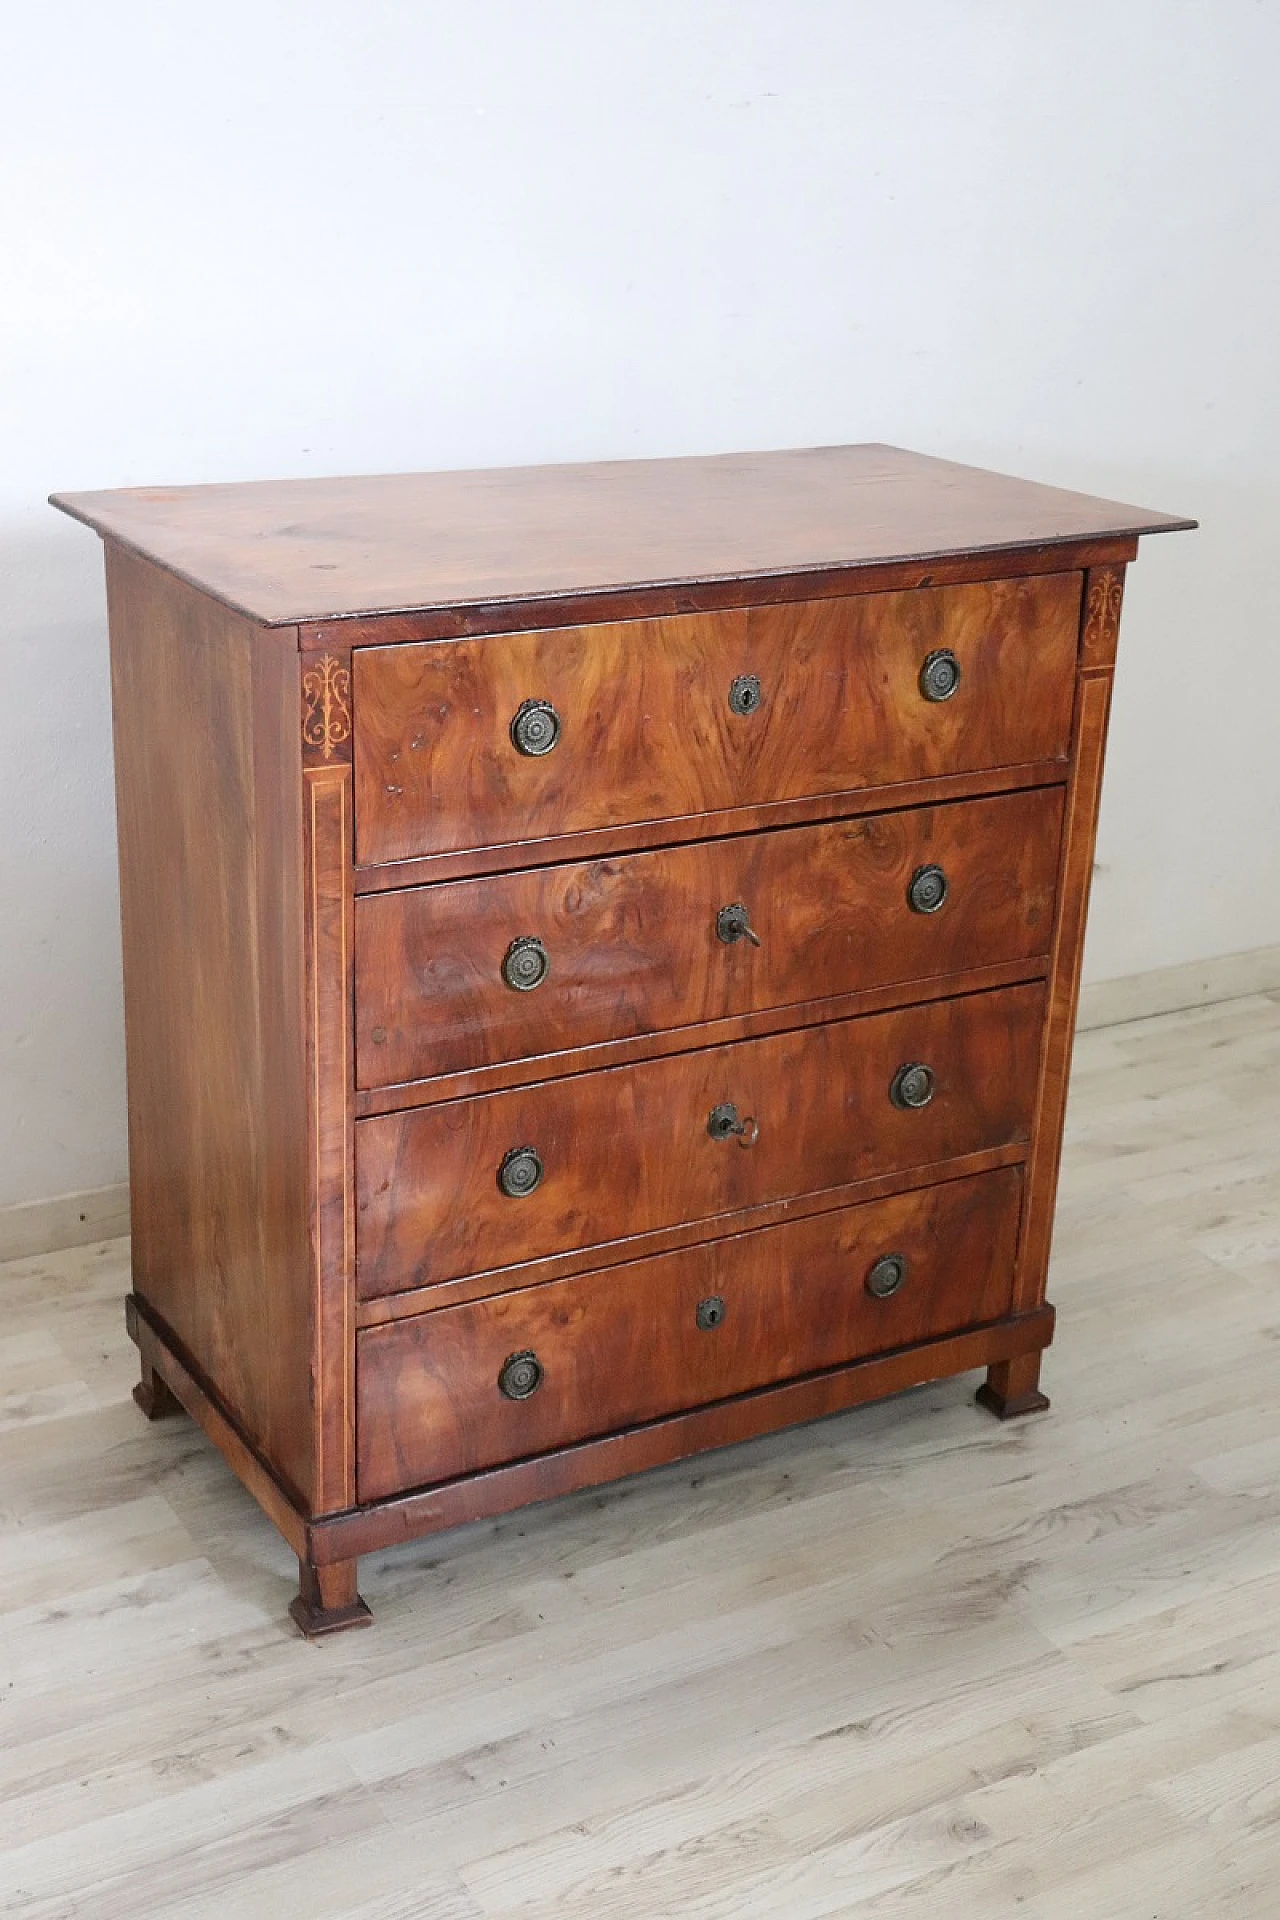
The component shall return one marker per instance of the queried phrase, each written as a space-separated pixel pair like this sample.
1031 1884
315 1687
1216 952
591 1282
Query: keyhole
744 694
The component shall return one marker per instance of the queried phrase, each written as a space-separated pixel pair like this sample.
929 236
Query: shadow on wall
62 1110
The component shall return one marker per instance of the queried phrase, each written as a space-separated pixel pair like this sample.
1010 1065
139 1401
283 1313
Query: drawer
601 1156
660 719
607 1350
636 944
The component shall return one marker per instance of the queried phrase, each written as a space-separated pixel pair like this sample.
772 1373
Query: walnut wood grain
589 1463
712 1033
629 1150
646 725
209 812
624 1346
338 1539
606 842
381 1309
632 944
599 608
291 550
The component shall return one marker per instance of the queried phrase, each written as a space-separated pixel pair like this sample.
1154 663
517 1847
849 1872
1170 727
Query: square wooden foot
327 1601
1013 1388
156 1398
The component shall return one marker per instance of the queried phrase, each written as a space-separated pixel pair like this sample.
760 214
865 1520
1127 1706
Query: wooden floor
906 1662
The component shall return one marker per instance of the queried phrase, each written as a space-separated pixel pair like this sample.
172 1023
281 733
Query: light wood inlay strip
1093 702
329 941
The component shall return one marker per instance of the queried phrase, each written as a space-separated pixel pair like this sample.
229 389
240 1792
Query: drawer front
663 719
650 941
635 1148
682 1330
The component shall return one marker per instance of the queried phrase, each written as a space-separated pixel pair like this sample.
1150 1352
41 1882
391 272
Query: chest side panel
209 807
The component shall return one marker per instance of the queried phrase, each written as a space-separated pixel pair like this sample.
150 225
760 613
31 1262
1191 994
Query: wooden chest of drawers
601 950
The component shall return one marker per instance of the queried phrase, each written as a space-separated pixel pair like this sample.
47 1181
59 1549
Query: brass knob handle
521 1375
709 1313
734 923
526 964
928 889
520 1172
536 728
725 1123
887 1275
744 694
913 1085
940 674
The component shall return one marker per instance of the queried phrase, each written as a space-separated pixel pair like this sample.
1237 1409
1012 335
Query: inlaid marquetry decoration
1102 613
326 691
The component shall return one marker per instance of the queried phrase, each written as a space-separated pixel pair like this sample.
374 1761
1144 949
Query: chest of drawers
601 950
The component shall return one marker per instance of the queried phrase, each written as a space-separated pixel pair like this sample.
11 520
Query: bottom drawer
466 1387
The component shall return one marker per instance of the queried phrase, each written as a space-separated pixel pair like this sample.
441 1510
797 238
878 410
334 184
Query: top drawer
664 719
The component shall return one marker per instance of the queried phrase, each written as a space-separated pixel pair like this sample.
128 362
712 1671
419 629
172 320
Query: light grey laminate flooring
906 1662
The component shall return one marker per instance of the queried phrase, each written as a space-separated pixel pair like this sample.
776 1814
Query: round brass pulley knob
928 889
887 1275
520 1172
526 964
521 1375
913 1085
536 728
940 674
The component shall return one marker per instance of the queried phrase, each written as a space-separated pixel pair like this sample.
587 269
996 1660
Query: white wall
266 239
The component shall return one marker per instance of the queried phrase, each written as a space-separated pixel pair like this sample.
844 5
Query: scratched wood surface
286 550
907 1662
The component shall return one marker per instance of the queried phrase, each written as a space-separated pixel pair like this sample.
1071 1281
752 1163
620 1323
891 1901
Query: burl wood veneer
601 951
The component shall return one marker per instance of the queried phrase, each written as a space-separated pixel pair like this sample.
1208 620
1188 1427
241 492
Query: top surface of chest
331 549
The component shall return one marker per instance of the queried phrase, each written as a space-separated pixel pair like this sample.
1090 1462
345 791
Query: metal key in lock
734 923
725 1123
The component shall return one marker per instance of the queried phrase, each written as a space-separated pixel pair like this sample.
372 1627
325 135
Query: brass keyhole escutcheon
745 695
709 1313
